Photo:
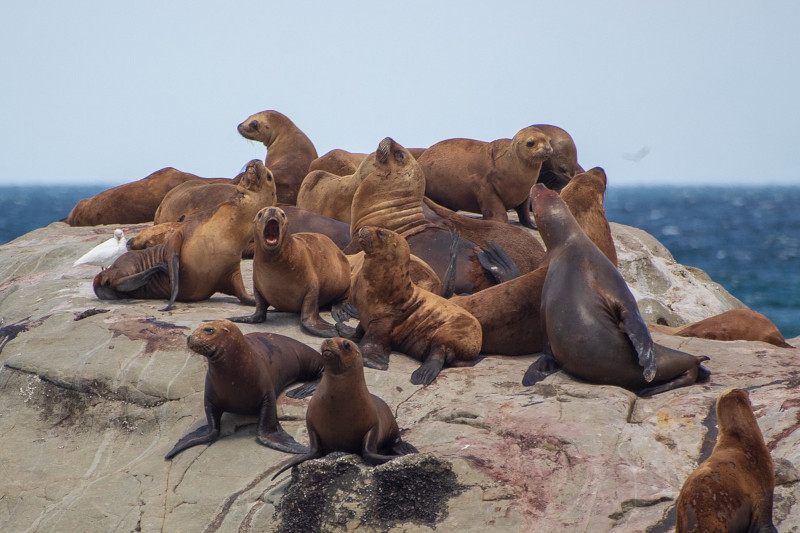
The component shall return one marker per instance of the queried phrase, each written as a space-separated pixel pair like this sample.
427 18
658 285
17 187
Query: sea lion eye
259 215
346 345
400 156
208 330
253 125
530 143
269 176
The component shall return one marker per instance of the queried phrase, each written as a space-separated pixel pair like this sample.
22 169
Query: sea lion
289 151
520 332
295 272
130 203
193 196
246 373
153 235
396 313
562 164
330 194
733 325
732 490
344 163
200 257
343 416
590 321
486 177
390 196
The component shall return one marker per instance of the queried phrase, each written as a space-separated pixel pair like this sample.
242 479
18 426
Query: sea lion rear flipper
540 369
141 279
353 334
174 280
498 263
401 447
305 390
684 380
634 327
370 452
202 435
313 452
342 311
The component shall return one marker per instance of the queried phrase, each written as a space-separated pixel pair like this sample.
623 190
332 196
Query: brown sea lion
390 196
246 373
562 164
295 272
520 332
733 325
331 195
732 490
344 163
486 177
289 151
131 203
194 196
343 416
590 321
202 256
395 313
153 235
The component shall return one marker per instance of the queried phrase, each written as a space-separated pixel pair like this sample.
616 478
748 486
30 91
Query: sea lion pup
590 321
246 373
331 194
396 313
390 196
562 164
486 177
520 332
130 203
200 257
289 151
194 196
295 272
343 416
733 325
732 490
344 163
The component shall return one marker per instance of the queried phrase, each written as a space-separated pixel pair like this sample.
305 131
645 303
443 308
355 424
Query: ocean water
746 238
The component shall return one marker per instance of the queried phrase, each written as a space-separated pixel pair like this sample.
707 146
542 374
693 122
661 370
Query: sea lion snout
384 149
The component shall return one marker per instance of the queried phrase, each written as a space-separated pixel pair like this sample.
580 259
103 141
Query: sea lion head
383 243
270 227
553 217
255 177
531 145
211 339
734 412
339 355
585 190
259 127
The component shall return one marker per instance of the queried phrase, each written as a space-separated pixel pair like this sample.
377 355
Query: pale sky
107 92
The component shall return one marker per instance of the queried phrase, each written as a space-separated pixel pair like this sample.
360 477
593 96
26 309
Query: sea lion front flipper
449 279
174 280
270 432
135 281
309 315
305 390
633 326
498 263
354 334
202 435
313 452
429 369
524 213
376 343
258 316
540 369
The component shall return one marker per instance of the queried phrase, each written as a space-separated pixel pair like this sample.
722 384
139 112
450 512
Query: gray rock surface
90 407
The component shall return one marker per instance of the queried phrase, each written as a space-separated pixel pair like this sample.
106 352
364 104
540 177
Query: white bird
106 252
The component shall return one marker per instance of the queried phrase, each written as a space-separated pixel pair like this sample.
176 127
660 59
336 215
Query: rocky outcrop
91 405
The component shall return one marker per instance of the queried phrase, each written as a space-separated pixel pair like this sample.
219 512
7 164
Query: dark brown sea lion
390 196
590 320
486 177
202 256
295 272
733 325
520 332
302 221
131 203
395 313
331 194
562 164
343 416
289 151
246 373
732 490
344 163
193 196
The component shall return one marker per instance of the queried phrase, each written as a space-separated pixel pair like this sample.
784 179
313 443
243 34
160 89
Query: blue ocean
746 238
